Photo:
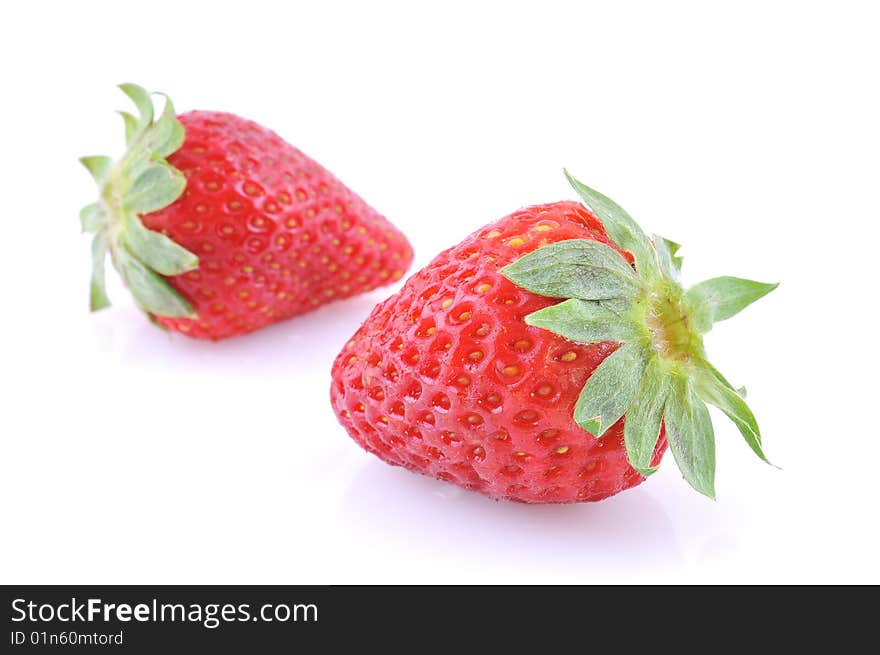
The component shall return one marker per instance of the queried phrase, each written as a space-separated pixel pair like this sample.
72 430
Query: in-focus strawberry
549 357
219 227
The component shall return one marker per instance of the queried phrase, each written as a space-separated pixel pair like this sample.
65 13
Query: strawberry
549 357
218 227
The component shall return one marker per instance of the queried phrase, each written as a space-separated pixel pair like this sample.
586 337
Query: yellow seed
522 345
516 242
569 356
446 304
493 234
510 371
483 288
464 316
562 450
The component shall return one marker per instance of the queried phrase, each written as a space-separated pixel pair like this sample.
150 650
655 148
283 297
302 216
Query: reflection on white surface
413 515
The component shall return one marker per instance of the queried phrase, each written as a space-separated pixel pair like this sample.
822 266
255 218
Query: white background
748 132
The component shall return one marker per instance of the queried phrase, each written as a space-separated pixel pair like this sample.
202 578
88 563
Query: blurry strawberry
477 373
219 227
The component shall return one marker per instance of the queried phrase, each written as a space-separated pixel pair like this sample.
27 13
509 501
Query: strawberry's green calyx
670 325
141 181
660 373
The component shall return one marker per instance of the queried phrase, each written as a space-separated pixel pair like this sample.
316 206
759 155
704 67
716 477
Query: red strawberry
477 374
235 230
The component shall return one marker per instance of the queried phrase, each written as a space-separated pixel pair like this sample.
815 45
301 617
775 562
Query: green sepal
622 229
141 99
691 436
586 321
140 182
99 166
155 250
97 292
723 297
131 126
168 134
611 389
577 268
714 389
641 429
151 292
670 264
92 218
156 187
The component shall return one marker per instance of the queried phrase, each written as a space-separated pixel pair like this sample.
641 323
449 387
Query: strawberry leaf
727 296
715 390
691 437
168 134
98 293
610 389
669 263
131 126
92 217
151 292
641 430
142 101
156 187
99 166
585 321
155 250
622 229
577 268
